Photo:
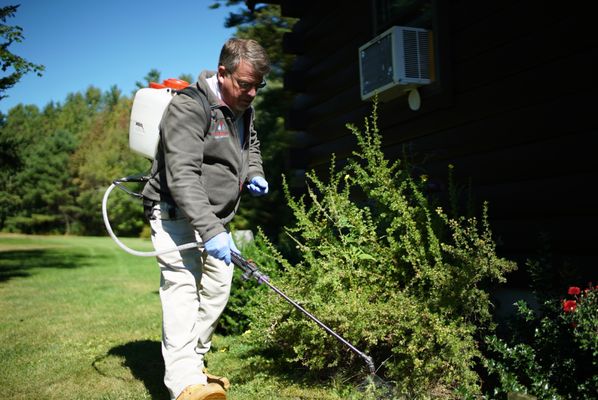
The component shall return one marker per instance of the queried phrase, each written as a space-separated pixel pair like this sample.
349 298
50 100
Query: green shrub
386 269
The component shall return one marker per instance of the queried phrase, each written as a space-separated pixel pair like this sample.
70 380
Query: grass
80 319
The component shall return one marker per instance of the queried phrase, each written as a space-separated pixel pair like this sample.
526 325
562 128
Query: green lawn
80 319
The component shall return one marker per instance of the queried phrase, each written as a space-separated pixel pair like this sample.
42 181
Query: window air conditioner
395 62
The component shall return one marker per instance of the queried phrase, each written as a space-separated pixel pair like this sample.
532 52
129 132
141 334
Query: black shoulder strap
195 92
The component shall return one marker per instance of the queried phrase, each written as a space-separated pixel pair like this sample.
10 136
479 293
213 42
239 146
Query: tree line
55 161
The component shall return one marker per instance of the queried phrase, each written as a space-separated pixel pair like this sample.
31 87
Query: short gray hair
235 50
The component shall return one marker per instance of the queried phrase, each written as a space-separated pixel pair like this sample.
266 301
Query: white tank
144 130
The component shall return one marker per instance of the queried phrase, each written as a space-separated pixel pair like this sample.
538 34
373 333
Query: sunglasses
247 86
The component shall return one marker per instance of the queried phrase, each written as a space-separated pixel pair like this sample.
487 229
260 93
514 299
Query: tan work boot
220 380
211 391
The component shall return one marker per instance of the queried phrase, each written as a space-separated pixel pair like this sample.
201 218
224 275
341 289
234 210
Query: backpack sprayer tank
149 105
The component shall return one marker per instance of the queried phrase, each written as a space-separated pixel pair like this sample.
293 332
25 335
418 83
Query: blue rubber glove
219 247
258 186
232 245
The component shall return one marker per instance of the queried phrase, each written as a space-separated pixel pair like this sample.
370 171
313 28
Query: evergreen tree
16 136
9 61
44 187
152 76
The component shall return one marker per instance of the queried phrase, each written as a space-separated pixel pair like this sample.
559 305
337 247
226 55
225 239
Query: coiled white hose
128 249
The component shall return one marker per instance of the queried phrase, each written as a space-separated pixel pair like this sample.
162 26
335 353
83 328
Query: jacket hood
203 84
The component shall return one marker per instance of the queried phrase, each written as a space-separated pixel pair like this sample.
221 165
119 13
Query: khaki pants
194 290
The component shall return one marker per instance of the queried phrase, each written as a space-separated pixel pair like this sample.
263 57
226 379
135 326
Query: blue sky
111 42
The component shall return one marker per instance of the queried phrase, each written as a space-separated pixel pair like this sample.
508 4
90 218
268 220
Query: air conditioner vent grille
417 54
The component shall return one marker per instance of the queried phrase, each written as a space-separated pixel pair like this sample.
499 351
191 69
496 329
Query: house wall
512 109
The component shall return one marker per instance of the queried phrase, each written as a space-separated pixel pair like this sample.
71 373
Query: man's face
239 88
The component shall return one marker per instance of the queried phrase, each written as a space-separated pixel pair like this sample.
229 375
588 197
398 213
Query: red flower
569 305
574 290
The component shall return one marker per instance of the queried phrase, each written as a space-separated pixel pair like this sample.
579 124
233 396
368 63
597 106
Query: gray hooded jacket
202 173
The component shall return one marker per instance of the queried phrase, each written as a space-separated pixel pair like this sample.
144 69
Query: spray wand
250 270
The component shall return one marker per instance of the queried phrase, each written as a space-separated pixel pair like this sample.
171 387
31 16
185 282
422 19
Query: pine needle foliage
389 271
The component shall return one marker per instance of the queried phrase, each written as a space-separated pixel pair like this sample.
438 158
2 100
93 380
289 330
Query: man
202 163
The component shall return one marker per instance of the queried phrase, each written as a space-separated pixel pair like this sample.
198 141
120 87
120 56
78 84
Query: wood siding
513 109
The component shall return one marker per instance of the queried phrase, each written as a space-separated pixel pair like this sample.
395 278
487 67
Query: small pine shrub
387 270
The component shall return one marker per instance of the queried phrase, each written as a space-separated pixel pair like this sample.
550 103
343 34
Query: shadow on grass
272 362
19 263
144 359
357 381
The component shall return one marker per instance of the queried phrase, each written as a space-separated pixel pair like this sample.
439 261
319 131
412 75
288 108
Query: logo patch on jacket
221 131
